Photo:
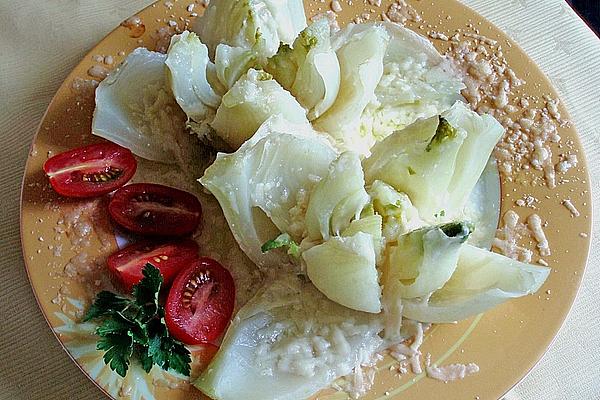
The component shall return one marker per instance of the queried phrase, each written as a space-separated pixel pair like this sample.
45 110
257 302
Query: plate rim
582 159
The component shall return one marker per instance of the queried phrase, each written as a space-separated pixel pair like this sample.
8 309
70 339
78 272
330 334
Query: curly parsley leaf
179 357
106 303
167 353
283 240
118 349
113 326
145 360
146 292
135 328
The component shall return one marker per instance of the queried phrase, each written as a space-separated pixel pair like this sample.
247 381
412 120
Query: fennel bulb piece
482 280
288 343
263 185
336 199
360 54
422 261
309 69
231 63
406 161
483 132
435 161
343 269
244 23
371 224
135 109
254 98
187 63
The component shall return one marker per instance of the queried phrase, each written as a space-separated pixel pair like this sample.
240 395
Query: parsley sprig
283 240
135 328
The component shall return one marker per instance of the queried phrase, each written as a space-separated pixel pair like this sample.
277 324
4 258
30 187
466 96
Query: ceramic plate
63 260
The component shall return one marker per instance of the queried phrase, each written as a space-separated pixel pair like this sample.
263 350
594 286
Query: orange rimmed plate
506 342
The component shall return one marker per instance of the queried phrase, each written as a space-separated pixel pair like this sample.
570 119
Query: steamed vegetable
483 132
343 269
231 63
417 82
187 63
336 199
419 161
417 264
337 239
309 69
481 281
135 109
290 18
398 214
261 185
371 224
250 102
244 23
435 161
360 53
287 343
483 207
422 261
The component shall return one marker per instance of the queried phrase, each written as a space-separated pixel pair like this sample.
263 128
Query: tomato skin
90 171
200 314
126 265
155 210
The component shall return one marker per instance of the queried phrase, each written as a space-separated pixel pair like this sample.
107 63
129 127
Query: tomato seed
110 174
192 286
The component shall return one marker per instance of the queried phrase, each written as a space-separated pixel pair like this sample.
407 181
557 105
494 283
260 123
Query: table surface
40 42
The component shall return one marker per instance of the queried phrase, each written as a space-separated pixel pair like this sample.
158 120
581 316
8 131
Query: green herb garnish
283 240
460 230
443 132
135 328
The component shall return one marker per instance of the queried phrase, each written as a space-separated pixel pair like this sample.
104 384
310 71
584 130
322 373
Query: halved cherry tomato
91 170
200 302
126 265
156 210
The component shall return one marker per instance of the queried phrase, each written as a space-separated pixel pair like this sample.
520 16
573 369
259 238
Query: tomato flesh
90 171
126 265
156 210
200 302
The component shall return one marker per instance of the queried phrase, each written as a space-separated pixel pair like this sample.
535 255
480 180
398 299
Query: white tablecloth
41 41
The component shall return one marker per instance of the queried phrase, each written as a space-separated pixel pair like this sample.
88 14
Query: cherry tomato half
200 302
155 210
126 265
91 170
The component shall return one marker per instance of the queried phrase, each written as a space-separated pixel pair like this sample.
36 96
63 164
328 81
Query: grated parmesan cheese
331 17
535 224
450 372
400 12
569 206
98 72
567 163
508 237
